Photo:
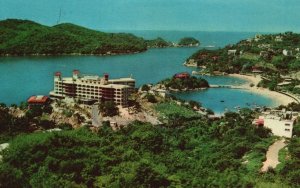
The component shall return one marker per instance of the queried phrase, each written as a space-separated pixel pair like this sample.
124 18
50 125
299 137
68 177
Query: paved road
95 116
272 155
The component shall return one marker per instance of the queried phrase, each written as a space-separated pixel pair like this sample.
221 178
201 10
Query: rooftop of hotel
280 115
89 77
116 86
123 79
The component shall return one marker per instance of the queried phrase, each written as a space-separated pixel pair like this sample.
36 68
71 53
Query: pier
227 86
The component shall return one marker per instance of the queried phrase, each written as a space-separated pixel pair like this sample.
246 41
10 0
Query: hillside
270 53
189 150
23 37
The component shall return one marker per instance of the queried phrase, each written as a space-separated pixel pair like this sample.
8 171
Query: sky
185 15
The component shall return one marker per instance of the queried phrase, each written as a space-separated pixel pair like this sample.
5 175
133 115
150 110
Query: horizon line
176 30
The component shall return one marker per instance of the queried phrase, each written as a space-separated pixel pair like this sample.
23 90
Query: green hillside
23 37
270 53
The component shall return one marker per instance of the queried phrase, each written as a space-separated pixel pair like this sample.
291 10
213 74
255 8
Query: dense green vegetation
185 84
188 41
22 37
108 108
186 154
168 109
11 126
188 150
158 43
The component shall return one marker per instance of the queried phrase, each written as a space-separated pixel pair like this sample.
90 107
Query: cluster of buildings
92 88
280 122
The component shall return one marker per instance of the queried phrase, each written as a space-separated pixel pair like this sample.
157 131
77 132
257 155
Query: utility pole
59 16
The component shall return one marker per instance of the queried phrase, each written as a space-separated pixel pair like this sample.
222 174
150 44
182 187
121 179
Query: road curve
272 155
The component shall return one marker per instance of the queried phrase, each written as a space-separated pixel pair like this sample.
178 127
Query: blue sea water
21 77
222 99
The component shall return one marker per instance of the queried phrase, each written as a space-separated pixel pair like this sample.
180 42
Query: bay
21 77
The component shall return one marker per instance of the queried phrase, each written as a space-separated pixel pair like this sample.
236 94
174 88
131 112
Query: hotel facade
92 88
281 122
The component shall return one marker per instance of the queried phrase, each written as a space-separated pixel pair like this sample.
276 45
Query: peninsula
25 38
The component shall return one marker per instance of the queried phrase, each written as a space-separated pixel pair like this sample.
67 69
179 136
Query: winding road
272 155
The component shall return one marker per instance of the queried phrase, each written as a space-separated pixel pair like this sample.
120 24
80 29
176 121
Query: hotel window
287 129
287 124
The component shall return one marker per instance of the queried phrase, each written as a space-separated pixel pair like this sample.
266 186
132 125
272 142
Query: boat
197 73
237 107
222 101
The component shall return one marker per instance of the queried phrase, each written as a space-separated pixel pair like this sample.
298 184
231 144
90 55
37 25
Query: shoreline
92 54
278 98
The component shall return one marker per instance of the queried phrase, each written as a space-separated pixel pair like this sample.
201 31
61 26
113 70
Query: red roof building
259 122
182 75
38 100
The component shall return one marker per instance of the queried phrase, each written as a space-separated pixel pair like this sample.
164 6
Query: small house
182 75
231 52
256 70
38 100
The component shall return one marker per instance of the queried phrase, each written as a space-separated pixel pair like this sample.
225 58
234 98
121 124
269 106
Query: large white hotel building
88 89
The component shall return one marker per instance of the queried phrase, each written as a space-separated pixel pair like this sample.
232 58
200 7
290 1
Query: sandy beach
279 98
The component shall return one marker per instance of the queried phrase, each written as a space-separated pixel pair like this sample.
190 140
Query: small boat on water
222 101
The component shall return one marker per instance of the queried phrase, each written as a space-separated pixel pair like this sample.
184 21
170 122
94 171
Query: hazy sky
202 15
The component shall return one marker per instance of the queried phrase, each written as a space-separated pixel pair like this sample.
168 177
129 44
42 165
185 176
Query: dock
226 86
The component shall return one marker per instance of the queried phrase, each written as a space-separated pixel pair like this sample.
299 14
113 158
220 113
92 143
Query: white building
87 88
231 52
287 52
278 38
280 122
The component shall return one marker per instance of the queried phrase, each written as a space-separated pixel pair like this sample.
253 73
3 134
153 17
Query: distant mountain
23 37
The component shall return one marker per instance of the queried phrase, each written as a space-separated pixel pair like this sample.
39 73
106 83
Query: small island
184 82
188 42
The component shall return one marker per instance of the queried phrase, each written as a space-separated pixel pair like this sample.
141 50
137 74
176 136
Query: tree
145 87
194 104
108 108
151 98
147 176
